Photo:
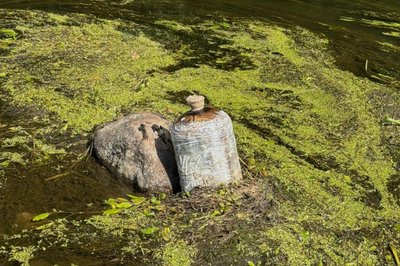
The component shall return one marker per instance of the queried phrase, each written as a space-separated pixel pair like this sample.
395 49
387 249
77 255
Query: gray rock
138 148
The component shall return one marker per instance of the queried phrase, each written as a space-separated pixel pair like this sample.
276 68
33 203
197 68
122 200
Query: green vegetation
382 24
22 146
7 33
392 33
178 254
40 217
388 46
22 254
319 163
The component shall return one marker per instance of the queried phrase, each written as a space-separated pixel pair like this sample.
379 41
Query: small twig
79 174
366 66
77 213
54 177
70 169
140 83
80 158
391 122
240 159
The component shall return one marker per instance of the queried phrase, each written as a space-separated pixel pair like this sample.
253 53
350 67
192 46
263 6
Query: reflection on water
353 41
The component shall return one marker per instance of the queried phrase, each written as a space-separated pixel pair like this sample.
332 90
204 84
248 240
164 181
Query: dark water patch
278 69
285 97
69 183
369 194
53 257
318 161
318 16
394 186
198 46
74 192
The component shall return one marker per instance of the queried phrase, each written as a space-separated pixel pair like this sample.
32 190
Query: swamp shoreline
319 145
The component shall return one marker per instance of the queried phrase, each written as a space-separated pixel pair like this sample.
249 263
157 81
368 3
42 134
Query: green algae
89 70
178 253
309 130
347 19
23 146
392 34
378 23
389 46
22 254
174 25
382 24
8 33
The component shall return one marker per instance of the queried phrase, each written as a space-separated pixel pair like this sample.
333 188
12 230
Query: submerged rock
23 220
138 148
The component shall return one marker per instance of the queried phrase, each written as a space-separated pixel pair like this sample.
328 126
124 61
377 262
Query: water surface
358 42
349 25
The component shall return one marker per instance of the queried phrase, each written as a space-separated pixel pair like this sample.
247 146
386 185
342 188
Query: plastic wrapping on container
205 148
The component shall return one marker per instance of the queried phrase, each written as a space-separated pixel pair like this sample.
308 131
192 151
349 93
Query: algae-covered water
313 91
359 30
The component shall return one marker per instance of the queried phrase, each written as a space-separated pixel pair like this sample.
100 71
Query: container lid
198 113
196 102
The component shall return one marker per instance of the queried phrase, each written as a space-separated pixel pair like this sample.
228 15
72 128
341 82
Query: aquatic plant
318 166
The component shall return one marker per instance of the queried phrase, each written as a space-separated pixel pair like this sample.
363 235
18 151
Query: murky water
73 186
349 25
359 44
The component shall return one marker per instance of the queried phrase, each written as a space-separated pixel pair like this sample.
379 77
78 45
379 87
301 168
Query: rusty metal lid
198 113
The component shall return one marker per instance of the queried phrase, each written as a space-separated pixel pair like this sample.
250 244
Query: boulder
138 148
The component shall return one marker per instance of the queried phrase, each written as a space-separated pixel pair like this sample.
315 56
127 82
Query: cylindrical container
205 146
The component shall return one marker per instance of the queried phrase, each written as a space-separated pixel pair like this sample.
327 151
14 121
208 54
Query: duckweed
317 187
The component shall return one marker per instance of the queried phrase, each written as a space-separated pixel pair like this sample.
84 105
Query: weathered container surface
205 149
